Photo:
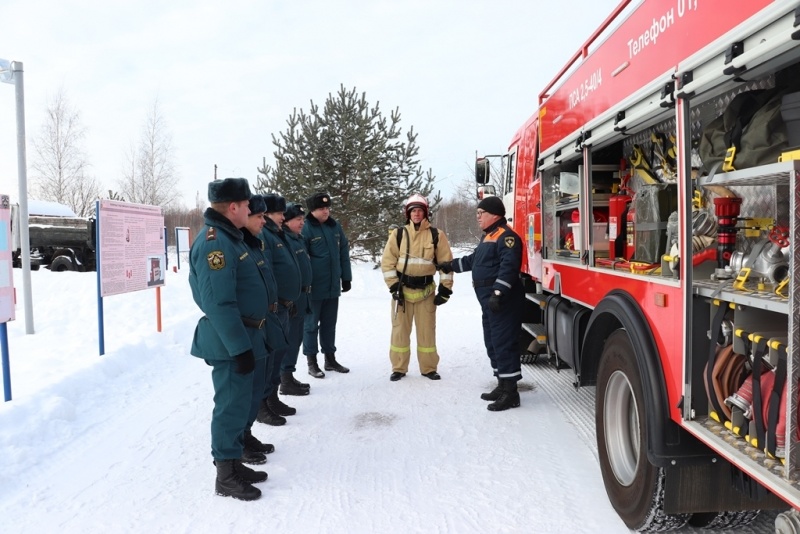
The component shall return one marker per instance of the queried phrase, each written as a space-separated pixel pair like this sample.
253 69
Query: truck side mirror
482 170
486 191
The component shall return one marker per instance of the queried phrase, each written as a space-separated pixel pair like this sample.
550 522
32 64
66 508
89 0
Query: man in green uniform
229 287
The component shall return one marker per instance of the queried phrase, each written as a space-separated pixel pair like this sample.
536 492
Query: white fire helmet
415 201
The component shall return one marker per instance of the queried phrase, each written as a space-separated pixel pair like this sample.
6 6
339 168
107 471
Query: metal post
14 75
22 171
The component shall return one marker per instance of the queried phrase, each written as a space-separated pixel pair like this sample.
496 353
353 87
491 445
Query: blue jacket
227 284
497 260
284 262
329 251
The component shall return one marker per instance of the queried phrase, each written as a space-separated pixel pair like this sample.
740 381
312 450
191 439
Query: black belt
253 323
285 303
415 282
305 289
483 283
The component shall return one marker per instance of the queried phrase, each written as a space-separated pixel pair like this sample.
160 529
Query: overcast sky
465 74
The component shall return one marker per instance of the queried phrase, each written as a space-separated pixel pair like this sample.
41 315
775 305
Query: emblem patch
509 241
216 260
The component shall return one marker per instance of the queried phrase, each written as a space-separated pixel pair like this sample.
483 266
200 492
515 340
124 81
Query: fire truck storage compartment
653 205
566 325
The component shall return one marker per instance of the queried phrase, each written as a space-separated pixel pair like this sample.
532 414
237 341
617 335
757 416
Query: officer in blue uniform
229 287
495 266
294 220
287 274
254 450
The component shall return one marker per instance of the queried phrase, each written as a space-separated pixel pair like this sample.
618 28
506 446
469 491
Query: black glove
495 302
395 291
446 267
293 310
345 286
245 362
442 296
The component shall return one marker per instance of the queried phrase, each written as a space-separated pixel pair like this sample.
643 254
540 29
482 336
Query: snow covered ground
120 442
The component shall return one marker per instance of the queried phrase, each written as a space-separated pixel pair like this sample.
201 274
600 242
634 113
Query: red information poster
6 272
130 247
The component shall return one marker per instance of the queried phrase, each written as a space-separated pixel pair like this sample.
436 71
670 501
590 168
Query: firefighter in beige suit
408 270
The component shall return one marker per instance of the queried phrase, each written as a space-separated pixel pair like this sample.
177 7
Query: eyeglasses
480 212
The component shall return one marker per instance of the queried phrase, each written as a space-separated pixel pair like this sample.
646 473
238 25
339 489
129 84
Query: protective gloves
442 296
395 291
446 267
496 302
245 362
345 286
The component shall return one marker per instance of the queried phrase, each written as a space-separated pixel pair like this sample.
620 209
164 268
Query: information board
6 264
131 248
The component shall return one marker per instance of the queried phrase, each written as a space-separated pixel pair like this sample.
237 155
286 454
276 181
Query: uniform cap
293 209
257 204
228 190
275 203
318 200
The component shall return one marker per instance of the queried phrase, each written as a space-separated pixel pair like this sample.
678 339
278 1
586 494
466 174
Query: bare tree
149 175
59 163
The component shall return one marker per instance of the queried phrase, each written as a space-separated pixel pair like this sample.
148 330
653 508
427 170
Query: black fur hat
318 200
275 203
257 204
228 190
492 205
293 209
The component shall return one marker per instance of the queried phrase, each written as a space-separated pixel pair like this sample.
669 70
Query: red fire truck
660 253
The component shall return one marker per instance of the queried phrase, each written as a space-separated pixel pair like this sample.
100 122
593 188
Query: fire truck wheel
62 263
635 487
717 520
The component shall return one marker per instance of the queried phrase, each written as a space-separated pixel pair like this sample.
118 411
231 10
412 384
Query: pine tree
357 155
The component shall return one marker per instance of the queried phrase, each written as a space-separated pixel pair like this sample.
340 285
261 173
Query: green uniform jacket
276 339
284 263
329 251
298 246
227 284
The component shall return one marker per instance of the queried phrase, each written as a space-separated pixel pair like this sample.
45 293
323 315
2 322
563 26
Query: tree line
348 147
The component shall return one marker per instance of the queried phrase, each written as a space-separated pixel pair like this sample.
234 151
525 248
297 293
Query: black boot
268 417
253 457
250 475
495 393
288 386
509 397
230 484
332 365
251 442
313 368
296 382
278 407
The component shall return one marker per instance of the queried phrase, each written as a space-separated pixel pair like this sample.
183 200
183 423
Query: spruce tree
357 155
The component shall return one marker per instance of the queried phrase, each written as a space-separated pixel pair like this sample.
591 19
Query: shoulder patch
509 241
211 234
216 260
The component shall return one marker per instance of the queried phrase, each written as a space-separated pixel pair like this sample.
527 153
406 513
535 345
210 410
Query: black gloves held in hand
446 267
245 362
495 302
345 286
395 291
442 296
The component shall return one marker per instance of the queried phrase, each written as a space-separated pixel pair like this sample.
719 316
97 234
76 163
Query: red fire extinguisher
619 240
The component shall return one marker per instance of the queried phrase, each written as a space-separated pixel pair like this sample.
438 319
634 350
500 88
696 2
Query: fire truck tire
634 486
62 263
718 520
